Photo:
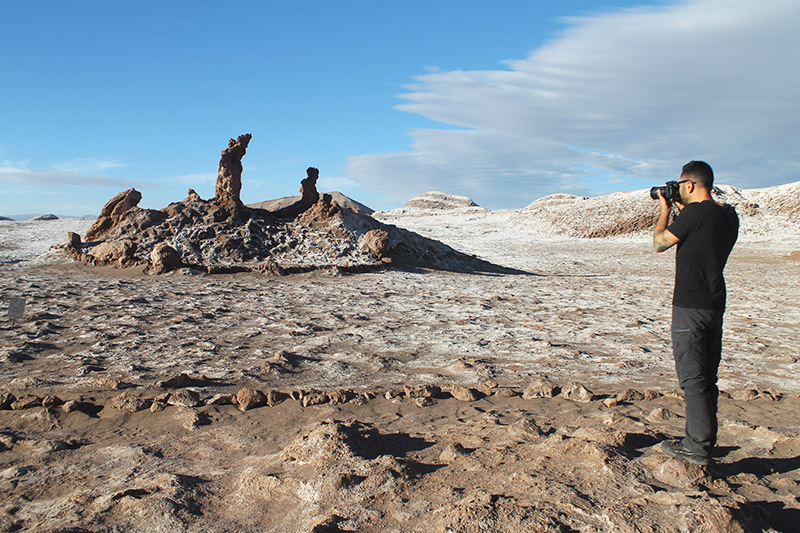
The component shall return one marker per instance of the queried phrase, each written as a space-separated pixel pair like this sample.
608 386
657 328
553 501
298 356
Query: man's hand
663 239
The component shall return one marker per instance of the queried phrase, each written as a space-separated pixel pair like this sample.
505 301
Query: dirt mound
222 235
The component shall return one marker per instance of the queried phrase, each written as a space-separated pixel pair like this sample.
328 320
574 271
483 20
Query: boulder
376 242
164 258
247 399
114 251
463 394
577 393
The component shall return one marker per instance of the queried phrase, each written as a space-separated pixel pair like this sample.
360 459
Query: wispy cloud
52 178
86 165
624 97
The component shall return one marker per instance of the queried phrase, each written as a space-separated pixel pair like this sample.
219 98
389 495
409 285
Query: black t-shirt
707 233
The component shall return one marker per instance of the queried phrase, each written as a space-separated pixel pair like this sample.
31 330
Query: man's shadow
774 513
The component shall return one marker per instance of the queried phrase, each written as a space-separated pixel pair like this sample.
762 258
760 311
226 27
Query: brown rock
250 399
540 388
376 242
164 258
630 395
127 401
112 213
463 394
220 399
314 398
577 393
51 401
652 395
184 398
6 400
310 195
70 406
73 240
229 176
339 396
422 391
452 452
661 414
111 251
26 402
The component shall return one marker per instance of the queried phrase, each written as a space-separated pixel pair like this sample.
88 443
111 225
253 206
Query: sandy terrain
395 398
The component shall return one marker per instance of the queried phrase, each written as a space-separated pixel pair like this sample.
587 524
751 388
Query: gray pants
697 349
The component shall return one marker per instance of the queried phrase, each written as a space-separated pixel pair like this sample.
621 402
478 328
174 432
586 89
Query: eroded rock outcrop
316 231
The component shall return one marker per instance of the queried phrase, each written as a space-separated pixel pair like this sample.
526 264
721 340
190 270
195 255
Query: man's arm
663 239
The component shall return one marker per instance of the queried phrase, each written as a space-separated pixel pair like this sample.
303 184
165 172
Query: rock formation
223 235
229 177
308 190
112 213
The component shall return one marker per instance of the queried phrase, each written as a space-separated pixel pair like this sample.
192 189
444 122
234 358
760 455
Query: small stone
463 394
629 395
392 394
6 400
661 414
26 402
650 395
505 392
452 452
220 399
611 402
577 393
51 401
157 406
338 397
314 398
70 406
127 401
746 395
247 399
424 402
184 398
540 388
422 391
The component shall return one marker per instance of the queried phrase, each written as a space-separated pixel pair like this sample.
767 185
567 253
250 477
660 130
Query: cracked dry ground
382 464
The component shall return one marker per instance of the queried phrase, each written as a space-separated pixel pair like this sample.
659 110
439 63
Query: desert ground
398 399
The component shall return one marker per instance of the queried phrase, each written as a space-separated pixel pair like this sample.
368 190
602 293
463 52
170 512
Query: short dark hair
700 172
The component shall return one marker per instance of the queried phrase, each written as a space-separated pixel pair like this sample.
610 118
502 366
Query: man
705 233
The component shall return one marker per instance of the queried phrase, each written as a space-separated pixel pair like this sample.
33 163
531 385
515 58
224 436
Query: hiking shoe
676 449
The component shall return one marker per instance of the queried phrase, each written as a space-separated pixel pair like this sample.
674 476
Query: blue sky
503 101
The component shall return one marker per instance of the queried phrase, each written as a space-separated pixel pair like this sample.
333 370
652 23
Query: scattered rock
51 401
463 394
577 393
114 251
488 387
182 380
127 401
611 402
424 401
73 240
674 471
220 399
6 401
26 402
164 258
650 395
452 452
314 398
421 391
70 406
376 242
630 395
247 399
661 414
339 396
184 398
540 388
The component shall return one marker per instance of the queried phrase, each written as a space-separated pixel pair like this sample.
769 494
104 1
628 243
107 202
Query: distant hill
338 198
761 211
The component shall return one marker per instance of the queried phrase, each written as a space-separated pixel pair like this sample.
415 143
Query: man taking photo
705 233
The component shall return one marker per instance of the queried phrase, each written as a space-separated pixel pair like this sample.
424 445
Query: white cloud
53 178
86 165
624 96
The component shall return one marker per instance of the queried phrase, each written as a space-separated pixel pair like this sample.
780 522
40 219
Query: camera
671 191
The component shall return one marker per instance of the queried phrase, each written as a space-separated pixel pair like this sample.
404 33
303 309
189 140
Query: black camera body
671 191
